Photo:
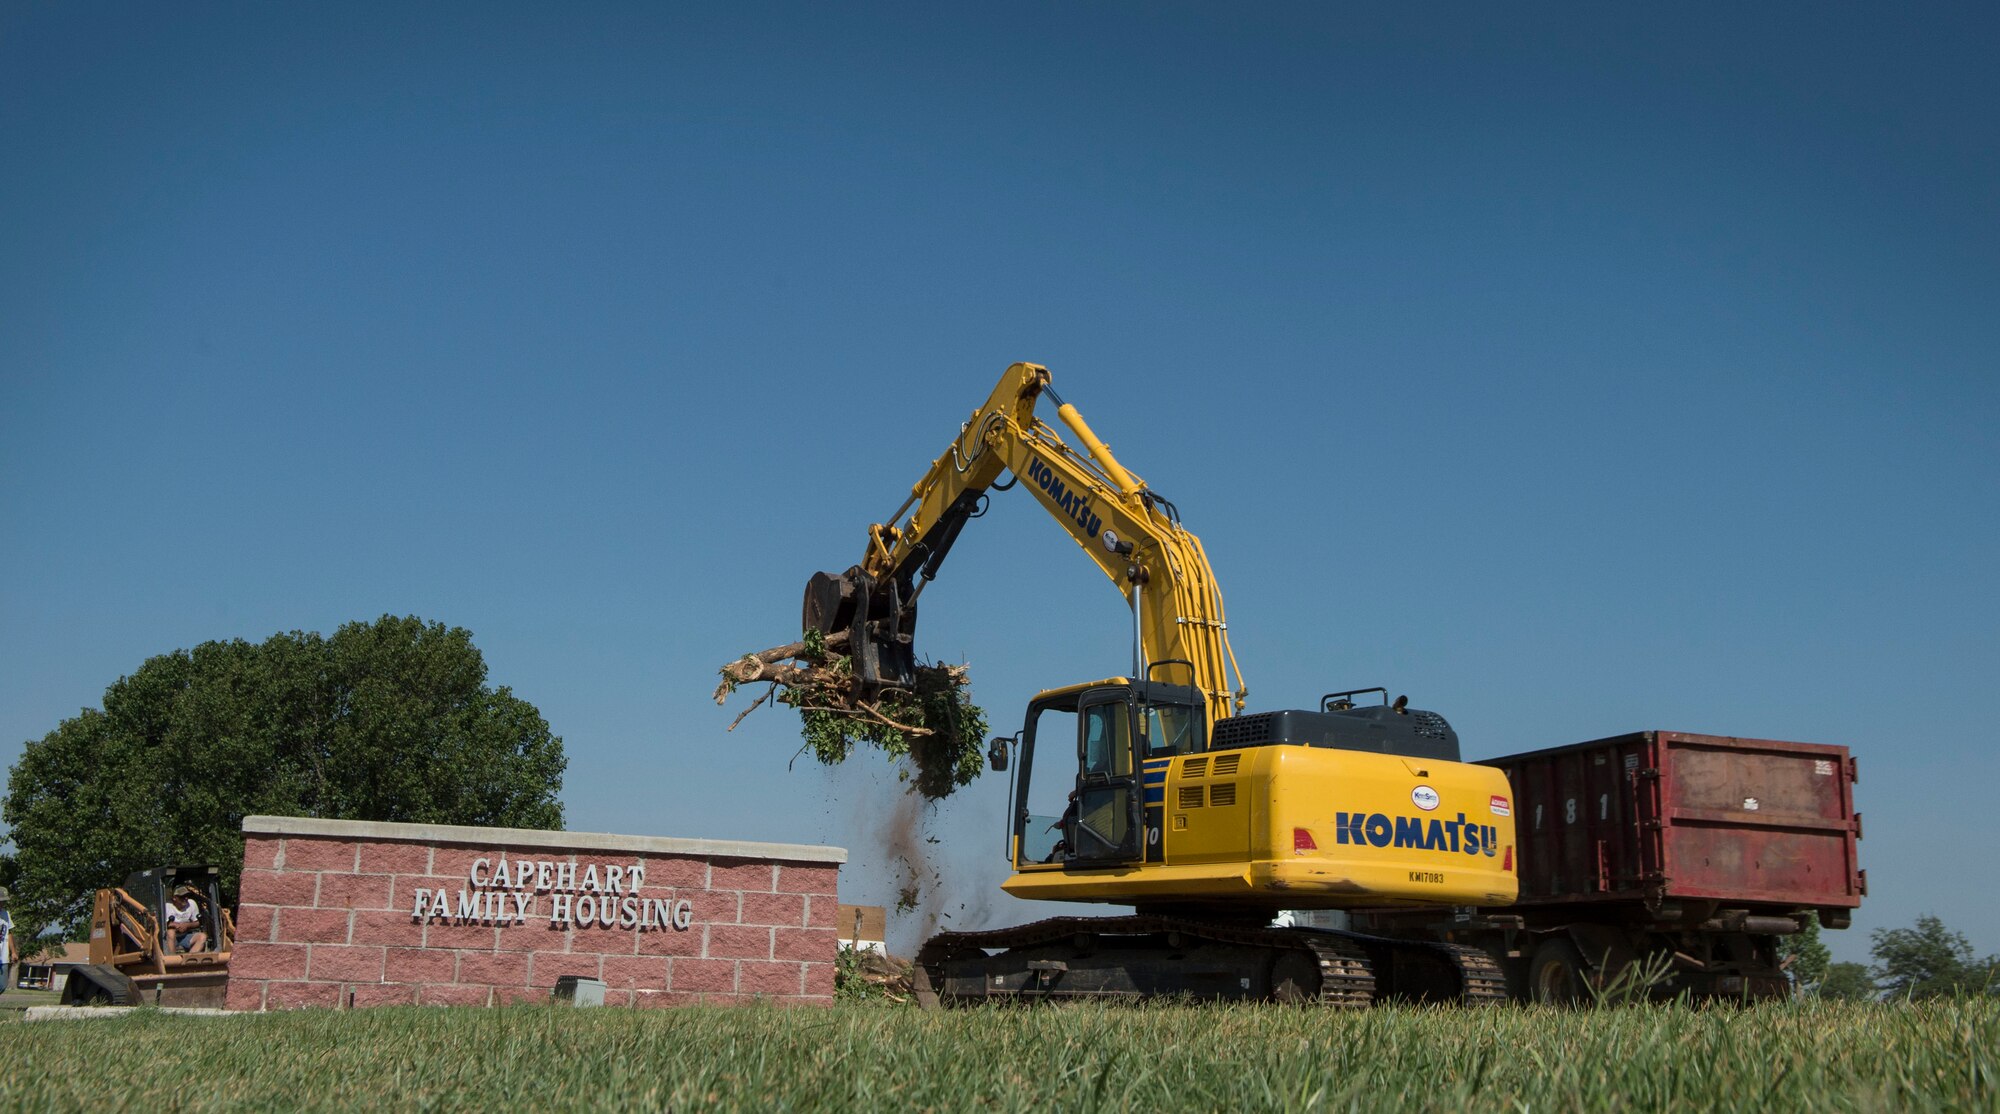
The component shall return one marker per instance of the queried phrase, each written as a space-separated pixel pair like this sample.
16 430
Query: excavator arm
1133 535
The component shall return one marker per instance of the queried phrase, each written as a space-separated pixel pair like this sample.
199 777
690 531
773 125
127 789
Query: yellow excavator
1155 790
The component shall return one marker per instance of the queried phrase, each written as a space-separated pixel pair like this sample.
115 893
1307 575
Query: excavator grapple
879 621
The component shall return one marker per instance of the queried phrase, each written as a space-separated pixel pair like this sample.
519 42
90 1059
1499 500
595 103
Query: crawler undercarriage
1147 956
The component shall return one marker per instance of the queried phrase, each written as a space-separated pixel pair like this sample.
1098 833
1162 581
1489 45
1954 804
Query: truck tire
1555 975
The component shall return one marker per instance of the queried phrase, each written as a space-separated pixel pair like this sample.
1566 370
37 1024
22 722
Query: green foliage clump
1847 982
934 729
1929 961
1805 957
860 976
389 720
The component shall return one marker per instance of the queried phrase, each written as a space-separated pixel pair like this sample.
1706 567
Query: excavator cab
1102 750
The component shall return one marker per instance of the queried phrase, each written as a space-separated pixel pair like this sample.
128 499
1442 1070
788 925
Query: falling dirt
902 836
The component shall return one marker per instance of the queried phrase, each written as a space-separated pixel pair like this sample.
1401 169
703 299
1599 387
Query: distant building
863 928
47 969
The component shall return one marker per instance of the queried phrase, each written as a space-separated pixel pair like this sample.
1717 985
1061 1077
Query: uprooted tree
932 726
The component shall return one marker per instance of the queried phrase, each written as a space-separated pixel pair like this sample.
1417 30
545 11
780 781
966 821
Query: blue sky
1576 371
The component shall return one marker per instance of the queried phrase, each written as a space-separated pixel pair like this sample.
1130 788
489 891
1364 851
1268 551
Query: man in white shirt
184 933
6 942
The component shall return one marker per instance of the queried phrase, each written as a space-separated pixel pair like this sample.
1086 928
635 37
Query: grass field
855 1057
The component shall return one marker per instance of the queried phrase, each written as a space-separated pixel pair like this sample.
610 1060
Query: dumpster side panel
1579 821
1755 820
1660 814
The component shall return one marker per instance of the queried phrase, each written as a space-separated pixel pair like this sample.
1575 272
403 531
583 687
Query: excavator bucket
879 622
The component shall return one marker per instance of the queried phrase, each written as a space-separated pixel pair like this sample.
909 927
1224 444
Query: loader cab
1092 765
147 892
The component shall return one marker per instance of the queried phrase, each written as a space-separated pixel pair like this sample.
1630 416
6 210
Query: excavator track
1482 981
1129 958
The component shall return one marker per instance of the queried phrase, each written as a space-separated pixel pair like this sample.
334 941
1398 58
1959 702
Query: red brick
273 887
294 995
455 863
244 994
738 942
819 979
805 945
394 858
354 891
702 975
676 872
447 994
818 878
535 935
268 961
384 994
386 926
503 969
634 971
420 965
788 910
515 995
742 874
767 978
822 912
705 998
720 907
550 966
312 926
312 853
254 922
671 941
345 964
657 999
479 937
260 852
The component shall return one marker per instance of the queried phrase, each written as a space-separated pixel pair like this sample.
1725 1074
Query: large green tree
1805 957
389 720
1847 982
1929 960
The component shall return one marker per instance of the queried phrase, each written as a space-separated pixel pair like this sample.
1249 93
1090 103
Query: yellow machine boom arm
1132 534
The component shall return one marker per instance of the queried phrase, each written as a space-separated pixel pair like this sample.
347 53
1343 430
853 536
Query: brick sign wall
339 913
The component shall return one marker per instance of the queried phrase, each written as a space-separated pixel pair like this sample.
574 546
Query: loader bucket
880 626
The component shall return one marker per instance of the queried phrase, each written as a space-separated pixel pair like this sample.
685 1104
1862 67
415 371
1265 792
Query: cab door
1110 809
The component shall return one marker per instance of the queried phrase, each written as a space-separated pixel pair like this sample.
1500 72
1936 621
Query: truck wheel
1555 976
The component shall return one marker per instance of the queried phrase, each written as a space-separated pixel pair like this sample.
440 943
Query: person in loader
184 932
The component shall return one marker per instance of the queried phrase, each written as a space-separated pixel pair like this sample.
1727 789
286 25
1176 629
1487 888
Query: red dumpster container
1669 817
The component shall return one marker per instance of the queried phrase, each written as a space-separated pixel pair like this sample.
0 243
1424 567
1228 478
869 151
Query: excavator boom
1132 534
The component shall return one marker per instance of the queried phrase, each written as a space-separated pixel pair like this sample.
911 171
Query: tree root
933 725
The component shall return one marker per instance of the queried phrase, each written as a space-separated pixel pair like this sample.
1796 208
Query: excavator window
1048 786
1106 826
1170 729
1107 746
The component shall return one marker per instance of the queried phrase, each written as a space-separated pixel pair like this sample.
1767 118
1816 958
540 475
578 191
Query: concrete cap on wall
534 837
